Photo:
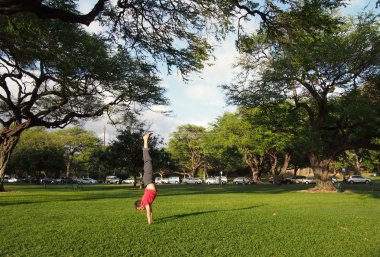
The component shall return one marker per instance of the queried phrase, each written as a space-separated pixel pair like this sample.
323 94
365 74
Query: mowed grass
256 220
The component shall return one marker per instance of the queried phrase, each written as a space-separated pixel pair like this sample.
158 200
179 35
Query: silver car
297 179
159 180
87 181
129 181
242 180
112 180
191 180
358 179
213 181
309 180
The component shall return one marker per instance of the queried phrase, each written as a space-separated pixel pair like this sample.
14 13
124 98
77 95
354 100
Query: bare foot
147 135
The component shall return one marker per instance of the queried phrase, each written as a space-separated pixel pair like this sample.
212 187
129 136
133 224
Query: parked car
46 181
174 180
57 181
87 181
216 180
112 180
281 180
159 180
192 180
13 180
358 179
68 180
297 179
309 180
6 177
129 181
212 180
242 180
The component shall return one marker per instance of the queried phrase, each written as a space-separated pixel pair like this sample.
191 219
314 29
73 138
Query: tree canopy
323 71
186 146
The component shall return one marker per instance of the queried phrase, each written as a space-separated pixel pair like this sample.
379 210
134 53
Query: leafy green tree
307 65
186 147
164 163
371 161
54 74
282 135
124 154
37 155
235 132
218 156
79 145
148 28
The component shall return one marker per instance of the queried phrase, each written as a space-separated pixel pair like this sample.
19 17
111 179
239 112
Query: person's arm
149 213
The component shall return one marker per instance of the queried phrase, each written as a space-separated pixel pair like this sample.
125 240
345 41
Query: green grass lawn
255 220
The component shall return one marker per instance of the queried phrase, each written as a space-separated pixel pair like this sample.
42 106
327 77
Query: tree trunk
7 146
285 165
295 171
357 164
273 158
69 164
321 173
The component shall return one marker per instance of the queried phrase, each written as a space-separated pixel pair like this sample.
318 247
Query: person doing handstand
148 180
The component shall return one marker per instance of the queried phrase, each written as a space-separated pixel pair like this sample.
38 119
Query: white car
216 180
112 180
309 180
12 180
128 181
6 177
87 181
213 180
159 180
174 180
358 179
191 180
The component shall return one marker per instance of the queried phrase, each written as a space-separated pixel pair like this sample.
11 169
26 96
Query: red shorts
148 197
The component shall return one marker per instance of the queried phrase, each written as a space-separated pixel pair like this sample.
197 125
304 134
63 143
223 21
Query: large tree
254 140
37 155
124 154
320 64
54 74
79 145
150 28
58 70
186 147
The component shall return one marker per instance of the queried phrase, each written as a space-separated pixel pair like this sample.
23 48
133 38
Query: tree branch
9 7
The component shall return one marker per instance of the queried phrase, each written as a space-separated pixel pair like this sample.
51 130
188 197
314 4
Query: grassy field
255 220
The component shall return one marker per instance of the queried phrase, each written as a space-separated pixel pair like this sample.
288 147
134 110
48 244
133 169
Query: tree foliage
54 74
37 155
187 148
309 67
79 145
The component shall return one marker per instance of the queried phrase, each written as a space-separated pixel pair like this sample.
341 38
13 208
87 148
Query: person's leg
148 169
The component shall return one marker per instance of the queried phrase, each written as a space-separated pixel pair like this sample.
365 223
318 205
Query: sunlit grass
257 220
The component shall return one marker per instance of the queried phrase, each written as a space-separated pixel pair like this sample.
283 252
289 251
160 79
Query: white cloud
161 124
206 94
102 128
360 3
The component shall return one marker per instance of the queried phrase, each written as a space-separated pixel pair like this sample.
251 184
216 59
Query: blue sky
198 101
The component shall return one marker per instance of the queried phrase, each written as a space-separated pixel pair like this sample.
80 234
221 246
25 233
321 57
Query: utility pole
104 137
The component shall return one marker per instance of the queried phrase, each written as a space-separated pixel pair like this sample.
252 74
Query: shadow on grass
372 190
185 215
